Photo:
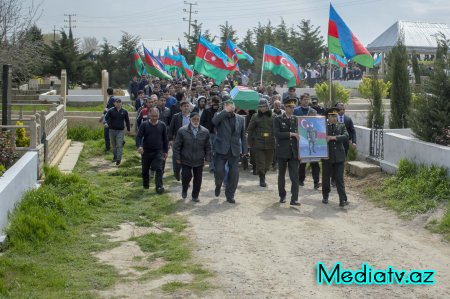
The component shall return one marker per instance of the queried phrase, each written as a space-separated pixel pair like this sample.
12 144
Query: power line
190 14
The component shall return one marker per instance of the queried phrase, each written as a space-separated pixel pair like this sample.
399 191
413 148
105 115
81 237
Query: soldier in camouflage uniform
261 139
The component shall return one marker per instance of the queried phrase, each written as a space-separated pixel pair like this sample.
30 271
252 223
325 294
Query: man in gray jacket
190 150
230 143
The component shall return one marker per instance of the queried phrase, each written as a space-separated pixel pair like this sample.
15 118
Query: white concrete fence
401 144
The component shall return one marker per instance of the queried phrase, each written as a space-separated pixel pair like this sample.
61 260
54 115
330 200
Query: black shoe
262 180
217 191
183 194
160 190
177 176
342 203
301 184
118 162
325 200
317 186
254 170
295 203
146 187
231 200
346 203
283 199
195 199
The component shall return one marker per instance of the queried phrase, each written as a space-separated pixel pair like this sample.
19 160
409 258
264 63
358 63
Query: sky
163 19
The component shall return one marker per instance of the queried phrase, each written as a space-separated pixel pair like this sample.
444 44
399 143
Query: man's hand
178 161
331 138
354 145
165 156
141 150
294 135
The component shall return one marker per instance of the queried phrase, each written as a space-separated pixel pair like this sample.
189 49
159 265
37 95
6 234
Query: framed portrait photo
312 131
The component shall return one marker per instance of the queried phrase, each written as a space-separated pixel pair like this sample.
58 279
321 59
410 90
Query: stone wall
400 144
21 177
55 141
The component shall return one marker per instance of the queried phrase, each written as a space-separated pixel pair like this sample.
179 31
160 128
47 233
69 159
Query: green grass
56 228
84 133
416 189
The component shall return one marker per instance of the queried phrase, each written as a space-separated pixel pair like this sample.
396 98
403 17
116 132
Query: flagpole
262 66
331 82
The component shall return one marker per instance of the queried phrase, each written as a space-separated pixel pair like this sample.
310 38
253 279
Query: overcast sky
163 19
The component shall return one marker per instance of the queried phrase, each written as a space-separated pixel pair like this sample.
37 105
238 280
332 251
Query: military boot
262 179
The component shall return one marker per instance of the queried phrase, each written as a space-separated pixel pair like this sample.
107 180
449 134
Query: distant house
419 37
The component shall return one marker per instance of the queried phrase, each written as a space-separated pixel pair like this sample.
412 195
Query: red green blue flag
338 60
235 53
211 61
341 41
154 66
138 64
280 63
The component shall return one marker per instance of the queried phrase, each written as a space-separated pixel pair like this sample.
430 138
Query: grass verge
416 189
56 228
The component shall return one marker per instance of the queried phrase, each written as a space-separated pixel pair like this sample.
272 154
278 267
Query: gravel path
259 248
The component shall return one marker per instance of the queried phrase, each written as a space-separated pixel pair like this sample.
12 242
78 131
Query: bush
44 214
2 169
84 133
415 188
338 94
8 155
22 140
365 88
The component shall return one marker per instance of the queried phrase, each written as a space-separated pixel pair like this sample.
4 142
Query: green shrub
415 189
365 88
2 169
84 133
8 155
338 93
22 140
44 214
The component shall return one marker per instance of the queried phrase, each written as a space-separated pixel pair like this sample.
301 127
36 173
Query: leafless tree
90 44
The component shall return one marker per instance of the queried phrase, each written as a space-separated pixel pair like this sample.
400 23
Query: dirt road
259 248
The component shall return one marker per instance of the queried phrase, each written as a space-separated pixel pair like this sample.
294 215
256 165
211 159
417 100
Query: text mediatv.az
367 275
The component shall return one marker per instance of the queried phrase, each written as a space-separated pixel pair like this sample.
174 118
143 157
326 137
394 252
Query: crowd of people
198 121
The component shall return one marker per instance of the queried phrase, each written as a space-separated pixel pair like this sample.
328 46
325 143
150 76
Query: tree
192 40
20 39
124 66
226 32
310 43
90 44
400 89
64 54
415 66
106 58
429 118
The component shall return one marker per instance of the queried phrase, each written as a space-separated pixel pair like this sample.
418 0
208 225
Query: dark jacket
299 112
350 130
260 131
153 137
175 124
336 151
116 119
228 137
192 150
206 119
142 84
164 115
133 88
287 146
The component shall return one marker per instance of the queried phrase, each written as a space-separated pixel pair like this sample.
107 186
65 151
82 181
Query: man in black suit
230 143
347 120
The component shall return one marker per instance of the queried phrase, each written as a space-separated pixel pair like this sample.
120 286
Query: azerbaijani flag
186 69
171 62
341 41
280 63
180 49
154 66
235 53
338 60
211 61
138 64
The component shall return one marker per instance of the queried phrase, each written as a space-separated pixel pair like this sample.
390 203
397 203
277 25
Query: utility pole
190 14
70 21
54 33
